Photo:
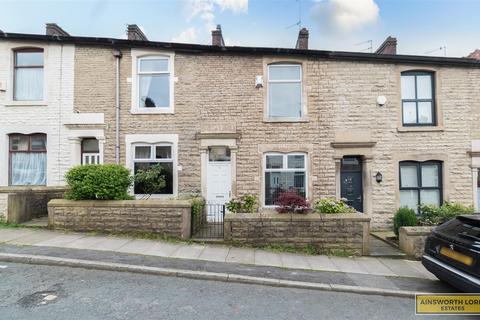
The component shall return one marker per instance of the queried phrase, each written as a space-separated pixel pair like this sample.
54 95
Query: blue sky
419 25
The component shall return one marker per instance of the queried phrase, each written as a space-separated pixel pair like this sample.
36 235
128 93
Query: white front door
219 182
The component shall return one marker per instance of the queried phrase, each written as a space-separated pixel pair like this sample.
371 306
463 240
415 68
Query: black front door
351 182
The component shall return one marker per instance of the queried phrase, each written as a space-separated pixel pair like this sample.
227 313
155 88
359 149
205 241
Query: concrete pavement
214 253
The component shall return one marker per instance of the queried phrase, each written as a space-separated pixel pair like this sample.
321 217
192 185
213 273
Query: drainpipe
118 55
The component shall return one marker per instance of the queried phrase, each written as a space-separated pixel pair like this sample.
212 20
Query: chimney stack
389 46
474 55
134 33
217 38
302 41
53 29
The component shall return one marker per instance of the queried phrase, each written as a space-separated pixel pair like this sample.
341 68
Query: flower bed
325 232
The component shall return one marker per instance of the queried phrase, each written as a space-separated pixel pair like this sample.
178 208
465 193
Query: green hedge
98 182
405 217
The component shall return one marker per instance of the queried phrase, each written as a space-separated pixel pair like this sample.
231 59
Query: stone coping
417 231
296 217
150 203
13 189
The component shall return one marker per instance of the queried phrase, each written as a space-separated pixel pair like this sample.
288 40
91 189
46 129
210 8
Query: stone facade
54 116
342 118
324 232
412 240
167 217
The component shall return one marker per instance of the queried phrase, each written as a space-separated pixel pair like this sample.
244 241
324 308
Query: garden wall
325 232
168 217
20 204
412 240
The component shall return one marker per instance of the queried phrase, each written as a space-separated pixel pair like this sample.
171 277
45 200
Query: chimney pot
217 37
302 40
135 33
53 29
475 54
389 46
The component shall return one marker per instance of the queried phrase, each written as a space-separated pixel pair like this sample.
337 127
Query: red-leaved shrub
292 202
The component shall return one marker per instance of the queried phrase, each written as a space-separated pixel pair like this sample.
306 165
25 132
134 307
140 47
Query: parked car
452 252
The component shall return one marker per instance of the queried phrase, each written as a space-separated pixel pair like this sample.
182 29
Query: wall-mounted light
379 177
381 101
258 82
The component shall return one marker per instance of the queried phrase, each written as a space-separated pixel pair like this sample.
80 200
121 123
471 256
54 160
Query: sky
422 27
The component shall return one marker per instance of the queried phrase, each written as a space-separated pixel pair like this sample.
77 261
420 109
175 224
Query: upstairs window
284 91
154 82
28 159
28 75
418 104
420 183
284 173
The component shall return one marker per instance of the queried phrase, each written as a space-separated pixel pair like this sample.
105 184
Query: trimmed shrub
292 202
405 217
98 182
332 205
246 203
431 215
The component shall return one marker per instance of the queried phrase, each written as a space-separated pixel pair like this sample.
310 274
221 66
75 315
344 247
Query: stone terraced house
380 129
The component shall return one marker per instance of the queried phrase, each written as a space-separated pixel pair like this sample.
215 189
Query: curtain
29 84
29 168
145 100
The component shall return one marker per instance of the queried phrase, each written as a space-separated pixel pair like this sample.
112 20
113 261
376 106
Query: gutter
118 55
199 49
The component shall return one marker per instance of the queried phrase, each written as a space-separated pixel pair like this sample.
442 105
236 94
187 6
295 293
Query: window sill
152 111
153 196
421 129
26 104
281 120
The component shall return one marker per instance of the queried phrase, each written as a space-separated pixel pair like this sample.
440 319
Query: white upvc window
284 172
149 155
285 91
152 82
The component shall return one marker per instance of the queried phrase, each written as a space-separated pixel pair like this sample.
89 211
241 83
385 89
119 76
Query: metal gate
208 224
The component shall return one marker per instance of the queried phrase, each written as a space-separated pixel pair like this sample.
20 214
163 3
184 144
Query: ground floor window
420 183
28 159
149 155
90 151
283 173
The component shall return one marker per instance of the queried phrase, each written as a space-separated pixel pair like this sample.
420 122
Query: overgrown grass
5 224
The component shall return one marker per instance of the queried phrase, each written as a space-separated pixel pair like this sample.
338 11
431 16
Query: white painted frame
132 140
283 169
137 56
269 81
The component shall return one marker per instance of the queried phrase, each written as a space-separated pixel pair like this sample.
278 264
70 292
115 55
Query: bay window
28 75
284 172
149 155
418 103
154 89
420 183
284 91
28 159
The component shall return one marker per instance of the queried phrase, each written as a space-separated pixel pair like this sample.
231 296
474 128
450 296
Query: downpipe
118 55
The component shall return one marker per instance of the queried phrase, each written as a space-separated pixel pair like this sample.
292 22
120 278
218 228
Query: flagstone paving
212 252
